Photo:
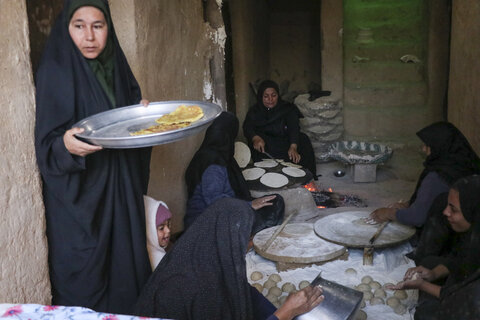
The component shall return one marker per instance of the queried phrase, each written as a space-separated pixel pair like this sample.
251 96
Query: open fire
329 199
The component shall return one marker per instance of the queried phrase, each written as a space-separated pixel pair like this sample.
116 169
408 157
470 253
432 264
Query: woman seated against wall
459 297
272 126
213 173
449 157
204 276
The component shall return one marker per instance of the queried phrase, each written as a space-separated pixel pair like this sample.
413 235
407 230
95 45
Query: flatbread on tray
181 114
160 128
181 117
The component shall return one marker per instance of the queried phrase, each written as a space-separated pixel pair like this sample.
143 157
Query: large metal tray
111 129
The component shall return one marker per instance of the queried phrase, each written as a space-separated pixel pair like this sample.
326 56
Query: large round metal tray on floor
349 229
296 243
112 128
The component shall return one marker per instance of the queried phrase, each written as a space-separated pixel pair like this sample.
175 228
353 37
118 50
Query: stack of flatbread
181 117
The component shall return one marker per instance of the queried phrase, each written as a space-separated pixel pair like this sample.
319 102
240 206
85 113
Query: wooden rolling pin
368 250
277 232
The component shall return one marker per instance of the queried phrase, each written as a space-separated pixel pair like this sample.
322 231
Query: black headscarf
266 116
218 147
468 260
94 204
451 156
204 275
103 65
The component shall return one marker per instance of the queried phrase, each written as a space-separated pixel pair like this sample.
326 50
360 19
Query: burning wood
330 199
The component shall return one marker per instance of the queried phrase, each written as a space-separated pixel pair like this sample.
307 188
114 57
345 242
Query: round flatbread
242 154
253 173
274 180
293 172
290 164
266 164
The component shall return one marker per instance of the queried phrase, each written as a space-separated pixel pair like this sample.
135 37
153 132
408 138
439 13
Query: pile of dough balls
375 293
275 293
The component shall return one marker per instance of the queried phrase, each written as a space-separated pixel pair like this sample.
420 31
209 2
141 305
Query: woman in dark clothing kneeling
459 297
272 126
204 276
214 173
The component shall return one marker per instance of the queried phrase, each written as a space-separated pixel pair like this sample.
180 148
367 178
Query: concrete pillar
23 248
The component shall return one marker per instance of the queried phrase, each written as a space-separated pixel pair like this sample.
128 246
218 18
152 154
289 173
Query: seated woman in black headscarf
204 276
449 157
459 297
93 197
272 126
214 173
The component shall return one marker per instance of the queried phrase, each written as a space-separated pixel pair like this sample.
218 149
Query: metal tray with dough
112 128
296 243
349 229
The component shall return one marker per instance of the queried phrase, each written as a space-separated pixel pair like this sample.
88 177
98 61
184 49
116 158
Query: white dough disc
253 173
269 163
290 164
242 154
293 172
274 180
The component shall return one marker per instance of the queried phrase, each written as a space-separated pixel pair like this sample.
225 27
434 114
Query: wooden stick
277 232
380 229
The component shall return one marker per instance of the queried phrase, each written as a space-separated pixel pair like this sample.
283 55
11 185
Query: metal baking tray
111 129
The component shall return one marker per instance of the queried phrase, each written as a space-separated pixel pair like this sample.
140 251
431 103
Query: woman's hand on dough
293 154
145 102
407 284
258 144
300 302
419 272
263 202
383 214
77 147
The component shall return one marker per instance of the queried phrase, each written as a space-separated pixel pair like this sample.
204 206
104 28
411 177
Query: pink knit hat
163 214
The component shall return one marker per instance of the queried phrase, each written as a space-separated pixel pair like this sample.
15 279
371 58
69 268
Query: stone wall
23 248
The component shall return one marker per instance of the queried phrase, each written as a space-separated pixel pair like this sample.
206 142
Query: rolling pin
277 232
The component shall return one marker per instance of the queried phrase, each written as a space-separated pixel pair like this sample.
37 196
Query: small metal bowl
339 173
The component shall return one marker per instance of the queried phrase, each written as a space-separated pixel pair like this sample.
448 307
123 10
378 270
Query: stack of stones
323 123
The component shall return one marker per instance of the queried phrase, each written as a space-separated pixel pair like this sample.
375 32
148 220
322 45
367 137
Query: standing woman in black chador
93 197
272 125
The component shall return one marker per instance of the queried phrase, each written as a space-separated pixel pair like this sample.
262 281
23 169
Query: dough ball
351 272
367 295
282 299
361 315
379 293
400 294
303 284
288 287
275 277
258 286
393 302
363 304
375 285
269 283
271 298
367 279
275 291
388 284
415 276
256 275
364 287
376 300
400 309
